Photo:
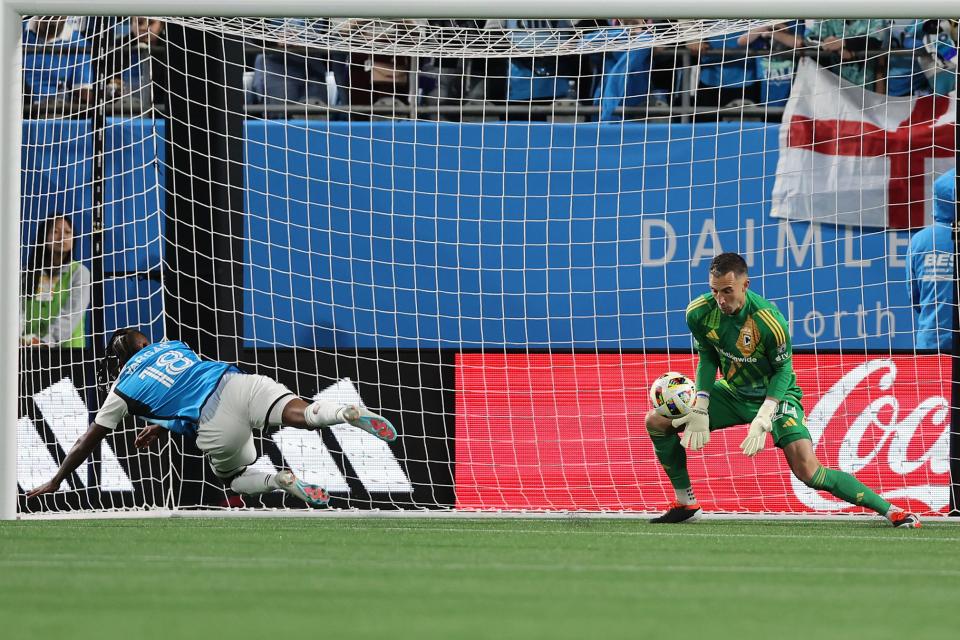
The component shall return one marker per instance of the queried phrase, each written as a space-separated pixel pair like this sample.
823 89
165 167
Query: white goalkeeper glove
759 428
695 425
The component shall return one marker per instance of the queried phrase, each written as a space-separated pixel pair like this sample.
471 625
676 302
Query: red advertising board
566 432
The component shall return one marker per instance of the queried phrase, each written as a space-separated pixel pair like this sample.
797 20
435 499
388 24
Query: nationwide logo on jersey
749 337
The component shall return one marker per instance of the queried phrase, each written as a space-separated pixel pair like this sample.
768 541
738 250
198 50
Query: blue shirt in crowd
925 69
626 82
60 70
730 70
930 269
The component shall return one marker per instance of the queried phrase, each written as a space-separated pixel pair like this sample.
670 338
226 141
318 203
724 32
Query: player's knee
802 460
227 477
804 470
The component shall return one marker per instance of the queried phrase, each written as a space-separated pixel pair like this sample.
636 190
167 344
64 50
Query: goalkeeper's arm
708 361
696 424
762 423
81 451
780 352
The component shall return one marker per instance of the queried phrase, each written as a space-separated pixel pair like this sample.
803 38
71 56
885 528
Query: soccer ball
672 395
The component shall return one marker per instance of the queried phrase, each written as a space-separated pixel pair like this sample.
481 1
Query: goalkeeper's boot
678 513
905 519
363 418
312 494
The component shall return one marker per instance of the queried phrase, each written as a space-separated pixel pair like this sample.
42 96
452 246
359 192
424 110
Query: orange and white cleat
905 519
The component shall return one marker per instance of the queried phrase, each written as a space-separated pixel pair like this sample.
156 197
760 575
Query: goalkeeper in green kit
746 338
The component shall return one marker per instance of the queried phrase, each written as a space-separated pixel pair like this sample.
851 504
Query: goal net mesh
489 232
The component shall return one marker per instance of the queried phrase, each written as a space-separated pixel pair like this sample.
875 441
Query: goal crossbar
494 8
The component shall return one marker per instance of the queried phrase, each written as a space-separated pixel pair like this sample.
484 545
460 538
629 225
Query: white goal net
489 231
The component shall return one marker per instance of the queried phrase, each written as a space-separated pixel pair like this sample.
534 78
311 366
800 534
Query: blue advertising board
448 235
444 235
422 235
403 234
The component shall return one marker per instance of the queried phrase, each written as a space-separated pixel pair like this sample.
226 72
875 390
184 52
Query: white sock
892 510
323 414
254 482
685 496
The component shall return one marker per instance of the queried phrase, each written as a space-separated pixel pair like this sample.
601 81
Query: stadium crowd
739 70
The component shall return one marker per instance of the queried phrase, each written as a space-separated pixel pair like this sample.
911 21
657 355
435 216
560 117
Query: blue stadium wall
442 235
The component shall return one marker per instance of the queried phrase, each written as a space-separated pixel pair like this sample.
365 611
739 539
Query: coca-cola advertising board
549 431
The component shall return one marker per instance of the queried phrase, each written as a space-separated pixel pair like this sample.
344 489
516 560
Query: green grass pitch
399 578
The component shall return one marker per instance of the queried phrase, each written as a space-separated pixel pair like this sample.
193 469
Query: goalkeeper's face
730 291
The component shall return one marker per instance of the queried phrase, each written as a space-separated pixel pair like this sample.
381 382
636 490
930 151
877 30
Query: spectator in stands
448 81
775 72
543 78
55 289
728 76
930 269
382 81
128 70
854 49
56 64
666 67
624 79
288 73
928 60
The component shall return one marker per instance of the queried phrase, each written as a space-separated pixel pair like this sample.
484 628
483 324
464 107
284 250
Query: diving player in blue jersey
171 387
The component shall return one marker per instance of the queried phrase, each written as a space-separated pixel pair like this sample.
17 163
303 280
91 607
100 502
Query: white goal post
11 105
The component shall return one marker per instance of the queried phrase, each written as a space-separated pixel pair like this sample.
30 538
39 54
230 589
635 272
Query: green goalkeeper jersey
751 348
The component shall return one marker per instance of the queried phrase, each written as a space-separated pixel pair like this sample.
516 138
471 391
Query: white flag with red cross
855 157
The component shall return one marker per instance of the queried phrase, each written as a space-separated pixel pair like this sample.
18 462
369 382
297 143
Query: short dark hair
122 345
728 262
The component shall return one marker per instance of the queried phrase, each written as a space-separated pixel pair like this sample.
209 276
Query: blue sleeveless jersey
167 383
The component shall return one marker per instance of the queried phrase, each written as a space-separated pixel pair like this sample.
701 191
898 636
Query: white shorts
240 404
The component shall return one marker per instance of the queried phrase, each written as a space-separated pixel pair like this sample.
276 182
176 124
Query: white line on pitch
673 532
223 563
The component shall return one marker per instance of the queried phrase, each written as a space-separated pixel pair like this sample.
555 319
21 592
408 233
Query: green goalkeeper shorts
728 409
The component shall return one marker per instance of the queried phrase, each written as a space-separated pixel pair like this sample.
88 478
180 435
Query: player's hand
46 487
762 425
147 436
695 425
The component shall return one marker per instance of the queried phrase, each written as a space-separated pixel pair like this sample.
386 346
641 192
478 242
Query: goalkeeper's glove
696 424
759 428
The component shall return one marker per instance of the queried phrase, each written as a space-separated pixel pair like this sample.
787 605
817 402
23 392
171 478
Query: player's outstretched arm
81 451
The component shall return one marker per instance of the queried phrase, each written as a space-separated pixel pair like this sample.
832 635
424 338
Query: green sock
846 487
672 456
